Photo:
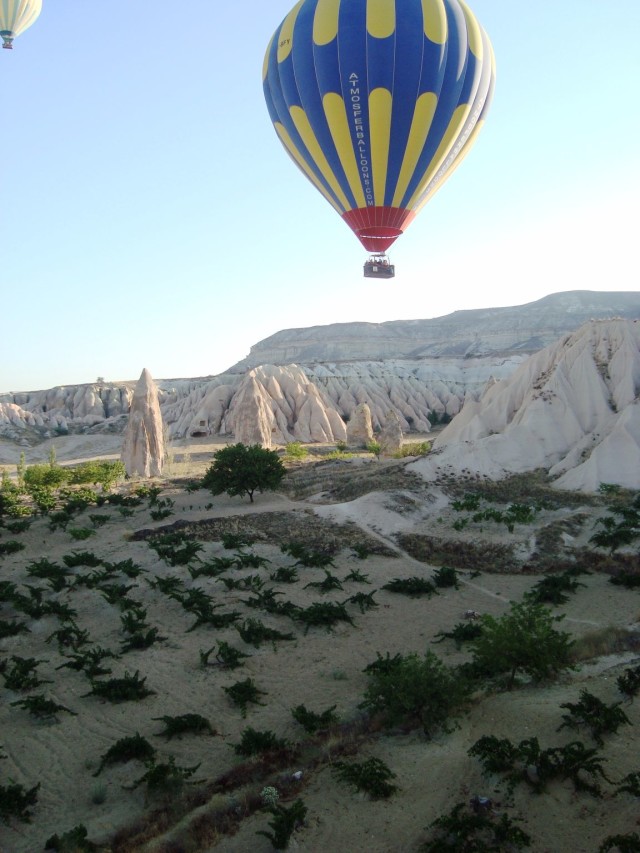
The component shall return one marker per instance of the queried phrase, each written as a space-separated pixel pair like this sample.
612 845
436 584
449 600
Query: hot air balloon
378 102
15 17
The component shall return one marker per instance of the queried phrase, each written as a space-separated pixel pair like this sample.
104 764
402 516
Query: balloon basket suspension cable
379 266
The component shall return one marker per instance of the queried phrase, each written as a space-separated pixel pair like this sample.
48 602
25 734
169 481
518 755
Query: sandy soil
319 669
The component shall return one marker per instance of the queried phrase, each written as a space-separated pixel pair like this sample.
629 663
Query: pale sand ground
319 670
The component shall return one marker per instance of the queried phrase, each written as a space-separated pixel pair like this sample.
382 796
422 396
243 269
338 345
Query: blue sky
150 217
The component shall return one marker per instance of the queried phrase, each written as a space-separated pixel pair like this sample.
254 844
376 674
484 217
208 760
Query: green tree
48 475
414 688
240 469
523 640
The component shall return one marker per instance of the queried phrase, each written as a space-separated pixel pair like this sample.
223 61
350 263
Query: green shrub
371 776
21 525
99 473
553 589
21 675
630 784
629 843
132 748
413 448
446 577
309 558
462 831
166 779
17 801
254 742
364 601
528 763
12 628
11 547
330 582
283 823
41 707
593 713
243 693
285 574
629 682
73 841
184 724
255 633
129 688
323 613
227 656
312 722
463 632
414 587
295 450
79 534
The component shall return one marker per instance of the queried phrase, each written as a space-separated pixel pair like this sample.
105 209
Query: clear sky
151 218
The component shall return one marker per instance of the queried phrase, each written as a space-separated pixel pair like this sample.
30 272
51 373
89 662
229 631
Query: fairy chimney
143 449
390 438
359 428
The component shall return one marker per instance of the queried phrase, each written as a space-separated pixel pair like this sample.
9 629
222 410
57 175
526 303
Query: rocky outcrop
311 401
293 408
463 334
359 428
390 437
252 414
143 449
572 409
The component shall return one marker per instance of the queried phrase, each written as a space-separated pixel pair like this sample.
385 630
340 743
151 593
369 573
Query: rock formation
390 437
359 428
252 415
143 449
572 409
294 408
463 334
311 401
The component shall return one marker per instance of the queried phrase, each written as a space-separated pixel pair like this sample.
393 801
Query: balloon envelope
377 102
16 16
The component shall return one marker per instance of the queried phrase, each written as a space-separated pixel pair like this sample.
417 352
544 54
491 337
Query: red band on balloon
378 227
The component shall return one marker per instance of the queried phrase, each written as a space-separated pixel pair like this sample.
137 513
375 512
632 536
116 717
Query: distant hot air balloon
377 102
15 17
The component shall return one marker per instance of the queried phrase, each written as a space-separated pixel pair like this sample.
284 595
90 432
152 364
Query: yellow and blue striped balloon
377 102
15 17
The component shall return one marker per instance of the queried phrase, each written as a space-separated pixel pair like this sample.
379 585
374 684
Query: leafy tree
51 475
241 469
99 472
523 640
412 688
